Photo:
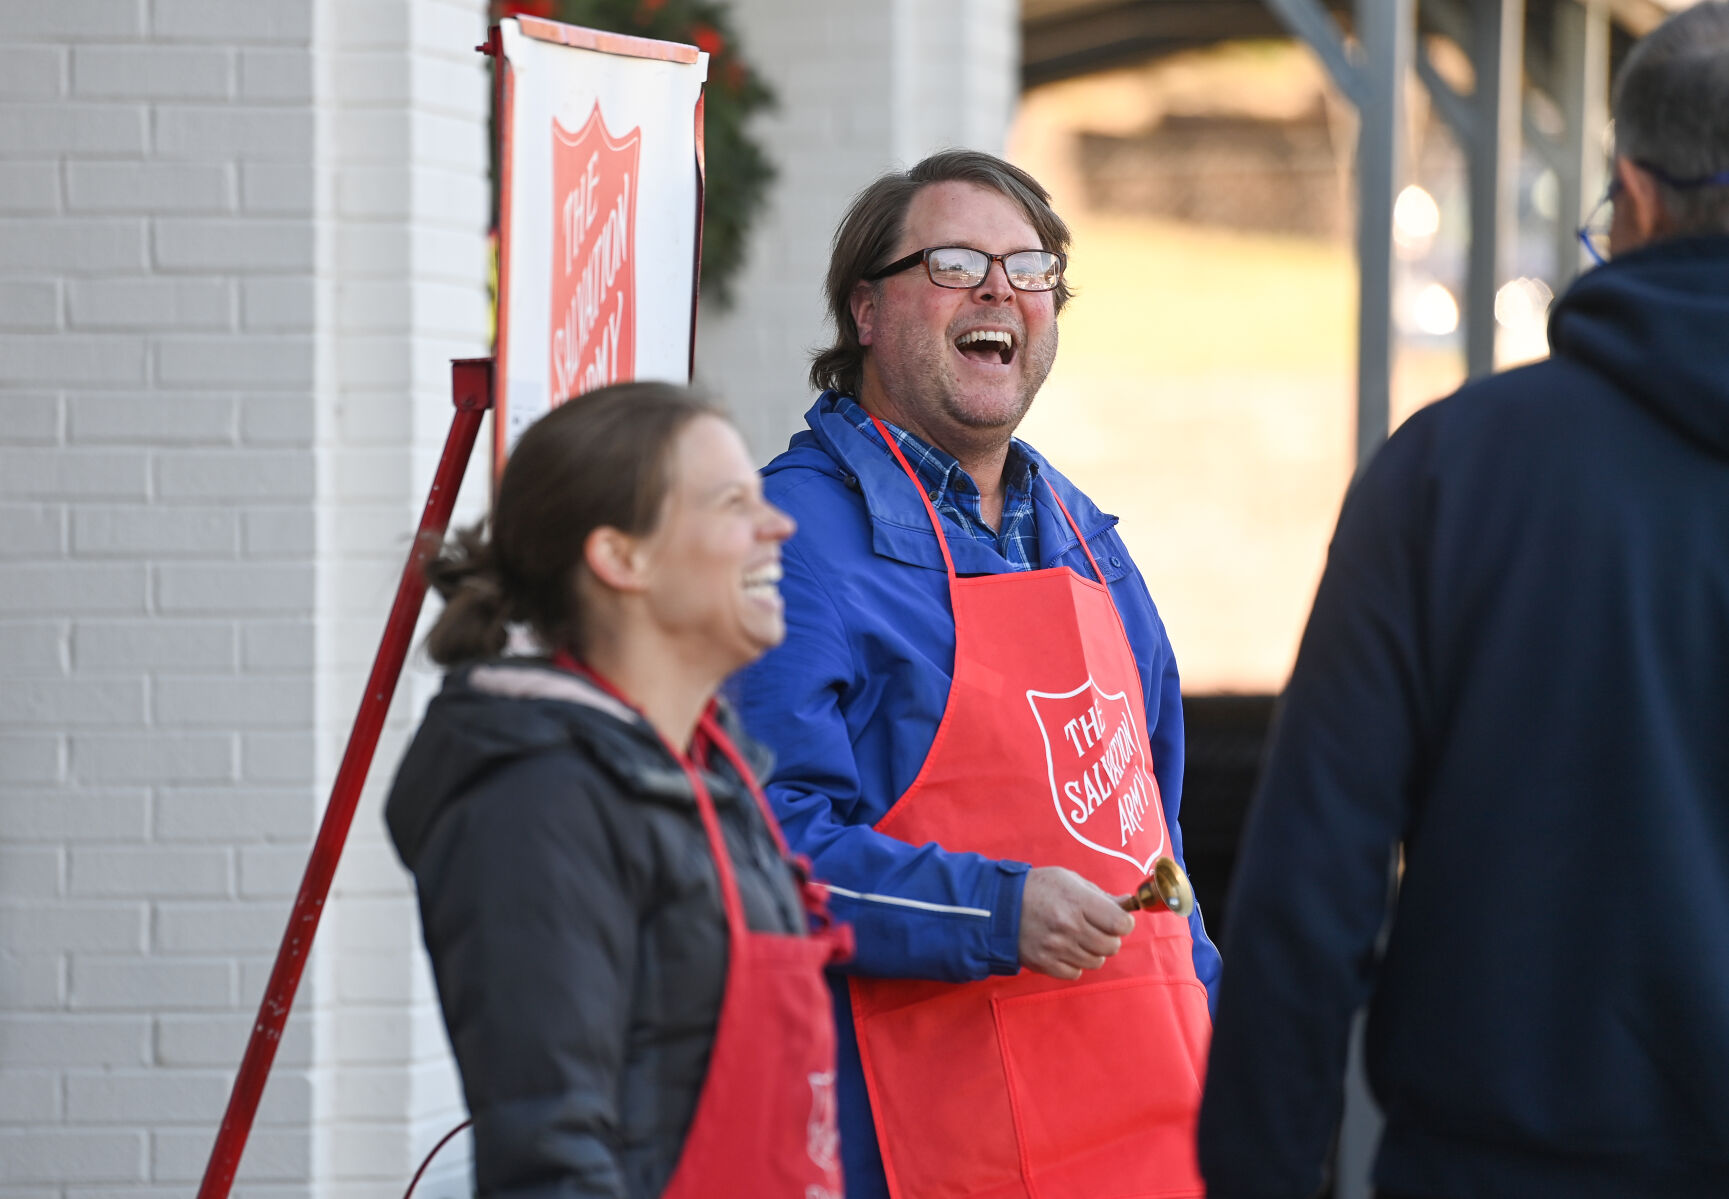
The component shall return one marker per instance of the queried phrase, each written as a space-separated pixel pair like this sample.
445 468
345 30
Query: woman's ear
614 558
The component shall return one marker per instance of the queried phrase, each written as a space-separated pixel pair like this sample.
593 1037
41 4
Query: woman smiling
621 945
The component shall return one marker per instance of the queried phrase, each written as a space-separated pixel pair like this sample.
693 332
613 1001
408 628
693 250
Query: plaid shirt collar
955 495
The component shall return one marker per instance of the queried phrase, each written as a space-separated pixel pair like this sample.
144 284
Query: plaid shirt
954 494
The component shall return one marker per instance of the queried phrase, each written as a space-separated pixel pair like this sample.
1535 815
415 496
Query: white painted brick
61 128
374 361
69 360
29 304
279 188
280 75
374 926
30 417
447 29
146 1097
245 244
439 140
279 533
272 871
61 815
29 187
29 1097
219 1039
250 361
276 420
121 646
28 758
63 1040
216 928
105 983
154 871
154 757
372 1036
32 982
72 587
152 187
247 475
153 532
77 927
32 530
277 645
74 474
278 757
253 702
77 703
72 243
33 72
151 72
224 21
54 1154
152 418
32 873
244 588
453 86
255 814
386 978
265 133
373 77
365 476
278 302
271 1154
149 303
358 1151
375 420
72 20
33 647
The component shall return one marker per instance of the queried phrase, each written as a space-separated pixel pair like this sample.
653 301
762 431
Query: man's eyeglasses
965 267
1594 233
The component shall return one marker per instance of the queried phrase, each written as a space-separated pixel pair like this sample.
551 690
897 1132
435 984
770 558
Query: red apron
765 1123
1028 1087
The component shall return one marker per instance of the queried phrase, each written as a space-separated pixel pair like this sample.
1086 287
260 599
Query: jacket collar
900 528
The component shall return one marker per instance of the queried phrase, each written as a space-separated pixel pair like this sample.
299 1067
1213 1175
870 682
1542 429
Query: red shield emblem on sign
594 188
1101 780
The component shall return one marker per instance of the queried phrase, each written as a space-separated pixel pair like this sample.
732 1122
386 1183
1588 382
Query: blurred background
240 242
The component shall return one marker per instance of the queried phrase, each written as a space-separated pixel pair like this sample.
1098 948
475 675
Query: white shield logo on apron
1101 781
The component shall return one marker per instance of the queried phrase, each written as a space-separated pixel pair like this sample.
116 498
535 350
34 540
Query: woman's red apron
1028 1087
765 1122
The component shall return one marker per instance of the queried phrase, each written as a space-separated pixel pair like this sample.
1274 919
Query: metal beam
1497 57
1307 20
1454 108
1580 69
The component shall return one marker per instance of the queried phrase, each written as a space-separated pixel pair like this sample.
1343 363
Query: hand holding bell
1165 889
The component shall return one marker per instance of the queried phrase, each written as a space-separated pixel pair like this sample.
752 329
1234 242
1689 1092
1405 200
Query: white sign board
600 214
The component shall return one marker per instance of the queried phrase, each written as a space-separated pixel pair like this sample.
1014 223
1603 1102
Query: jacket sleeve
917 911
1165 737
1311 886
532 935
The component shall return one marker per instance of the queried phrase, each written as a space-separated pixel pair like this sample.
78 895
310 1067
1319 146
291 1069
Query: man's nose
989 290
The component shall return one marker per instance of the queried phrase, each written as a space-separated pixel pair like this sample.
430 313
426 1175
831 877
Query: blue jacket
851 700
1517 666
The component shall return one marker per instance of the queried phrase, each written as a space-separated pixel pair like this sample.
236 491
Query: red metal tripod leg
471 382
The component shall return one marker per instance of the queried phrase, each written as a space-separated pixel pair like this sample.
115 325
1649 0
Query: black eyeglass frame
924 256
1720 179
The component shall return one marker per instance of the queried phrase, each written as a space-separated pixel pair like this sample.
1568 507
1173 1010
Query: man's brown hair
872 227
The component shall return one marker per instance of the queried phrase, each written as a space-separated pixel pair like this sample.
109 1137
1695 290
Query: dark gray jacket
573 915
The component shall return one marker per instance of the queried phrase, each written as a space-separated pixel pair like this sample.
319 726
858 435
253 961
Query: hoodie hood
491 713
1656 323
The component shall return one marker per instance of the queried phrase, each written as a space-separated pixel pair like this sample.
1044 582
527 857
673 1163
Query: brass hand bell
1165 889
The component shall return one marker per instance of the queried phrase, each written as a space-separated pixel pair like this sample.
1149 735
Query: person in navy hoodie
1517 668
977 725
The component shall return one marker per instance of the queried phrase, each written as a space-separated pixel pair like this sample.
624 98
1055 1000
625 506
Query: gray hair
1671 110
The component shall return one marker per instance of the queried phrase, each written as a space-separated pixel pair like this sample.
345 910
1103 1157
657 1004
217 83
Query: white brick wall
238 243
898 97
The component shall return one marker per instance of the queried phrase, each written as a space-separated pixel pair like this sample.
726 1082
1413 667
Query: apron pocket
1105 1086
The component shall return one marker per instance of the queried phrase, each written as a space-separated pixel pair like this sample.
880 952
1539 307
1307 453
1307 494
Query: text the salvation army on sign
594 182
1101 779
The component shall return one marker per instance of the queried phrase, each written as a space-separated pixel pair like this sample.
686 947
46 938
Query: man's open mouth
988 345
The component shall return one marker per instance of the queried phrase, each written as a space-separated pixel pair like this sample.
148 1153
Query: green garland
738 172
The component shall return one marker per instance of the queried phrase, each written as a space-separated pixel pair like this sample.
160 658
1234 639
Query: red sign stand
471 391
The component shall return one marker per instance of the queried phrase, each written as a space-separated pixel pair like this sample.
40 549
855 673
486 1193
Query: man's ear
1643 199
864 310
614 558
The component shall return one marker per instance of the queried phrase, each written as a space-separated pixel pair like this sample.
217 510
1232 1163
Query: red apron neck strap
930 509
1085 549
734 904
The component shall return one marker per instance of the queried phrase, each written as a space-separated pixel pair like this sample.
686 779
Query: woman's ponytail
474 623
